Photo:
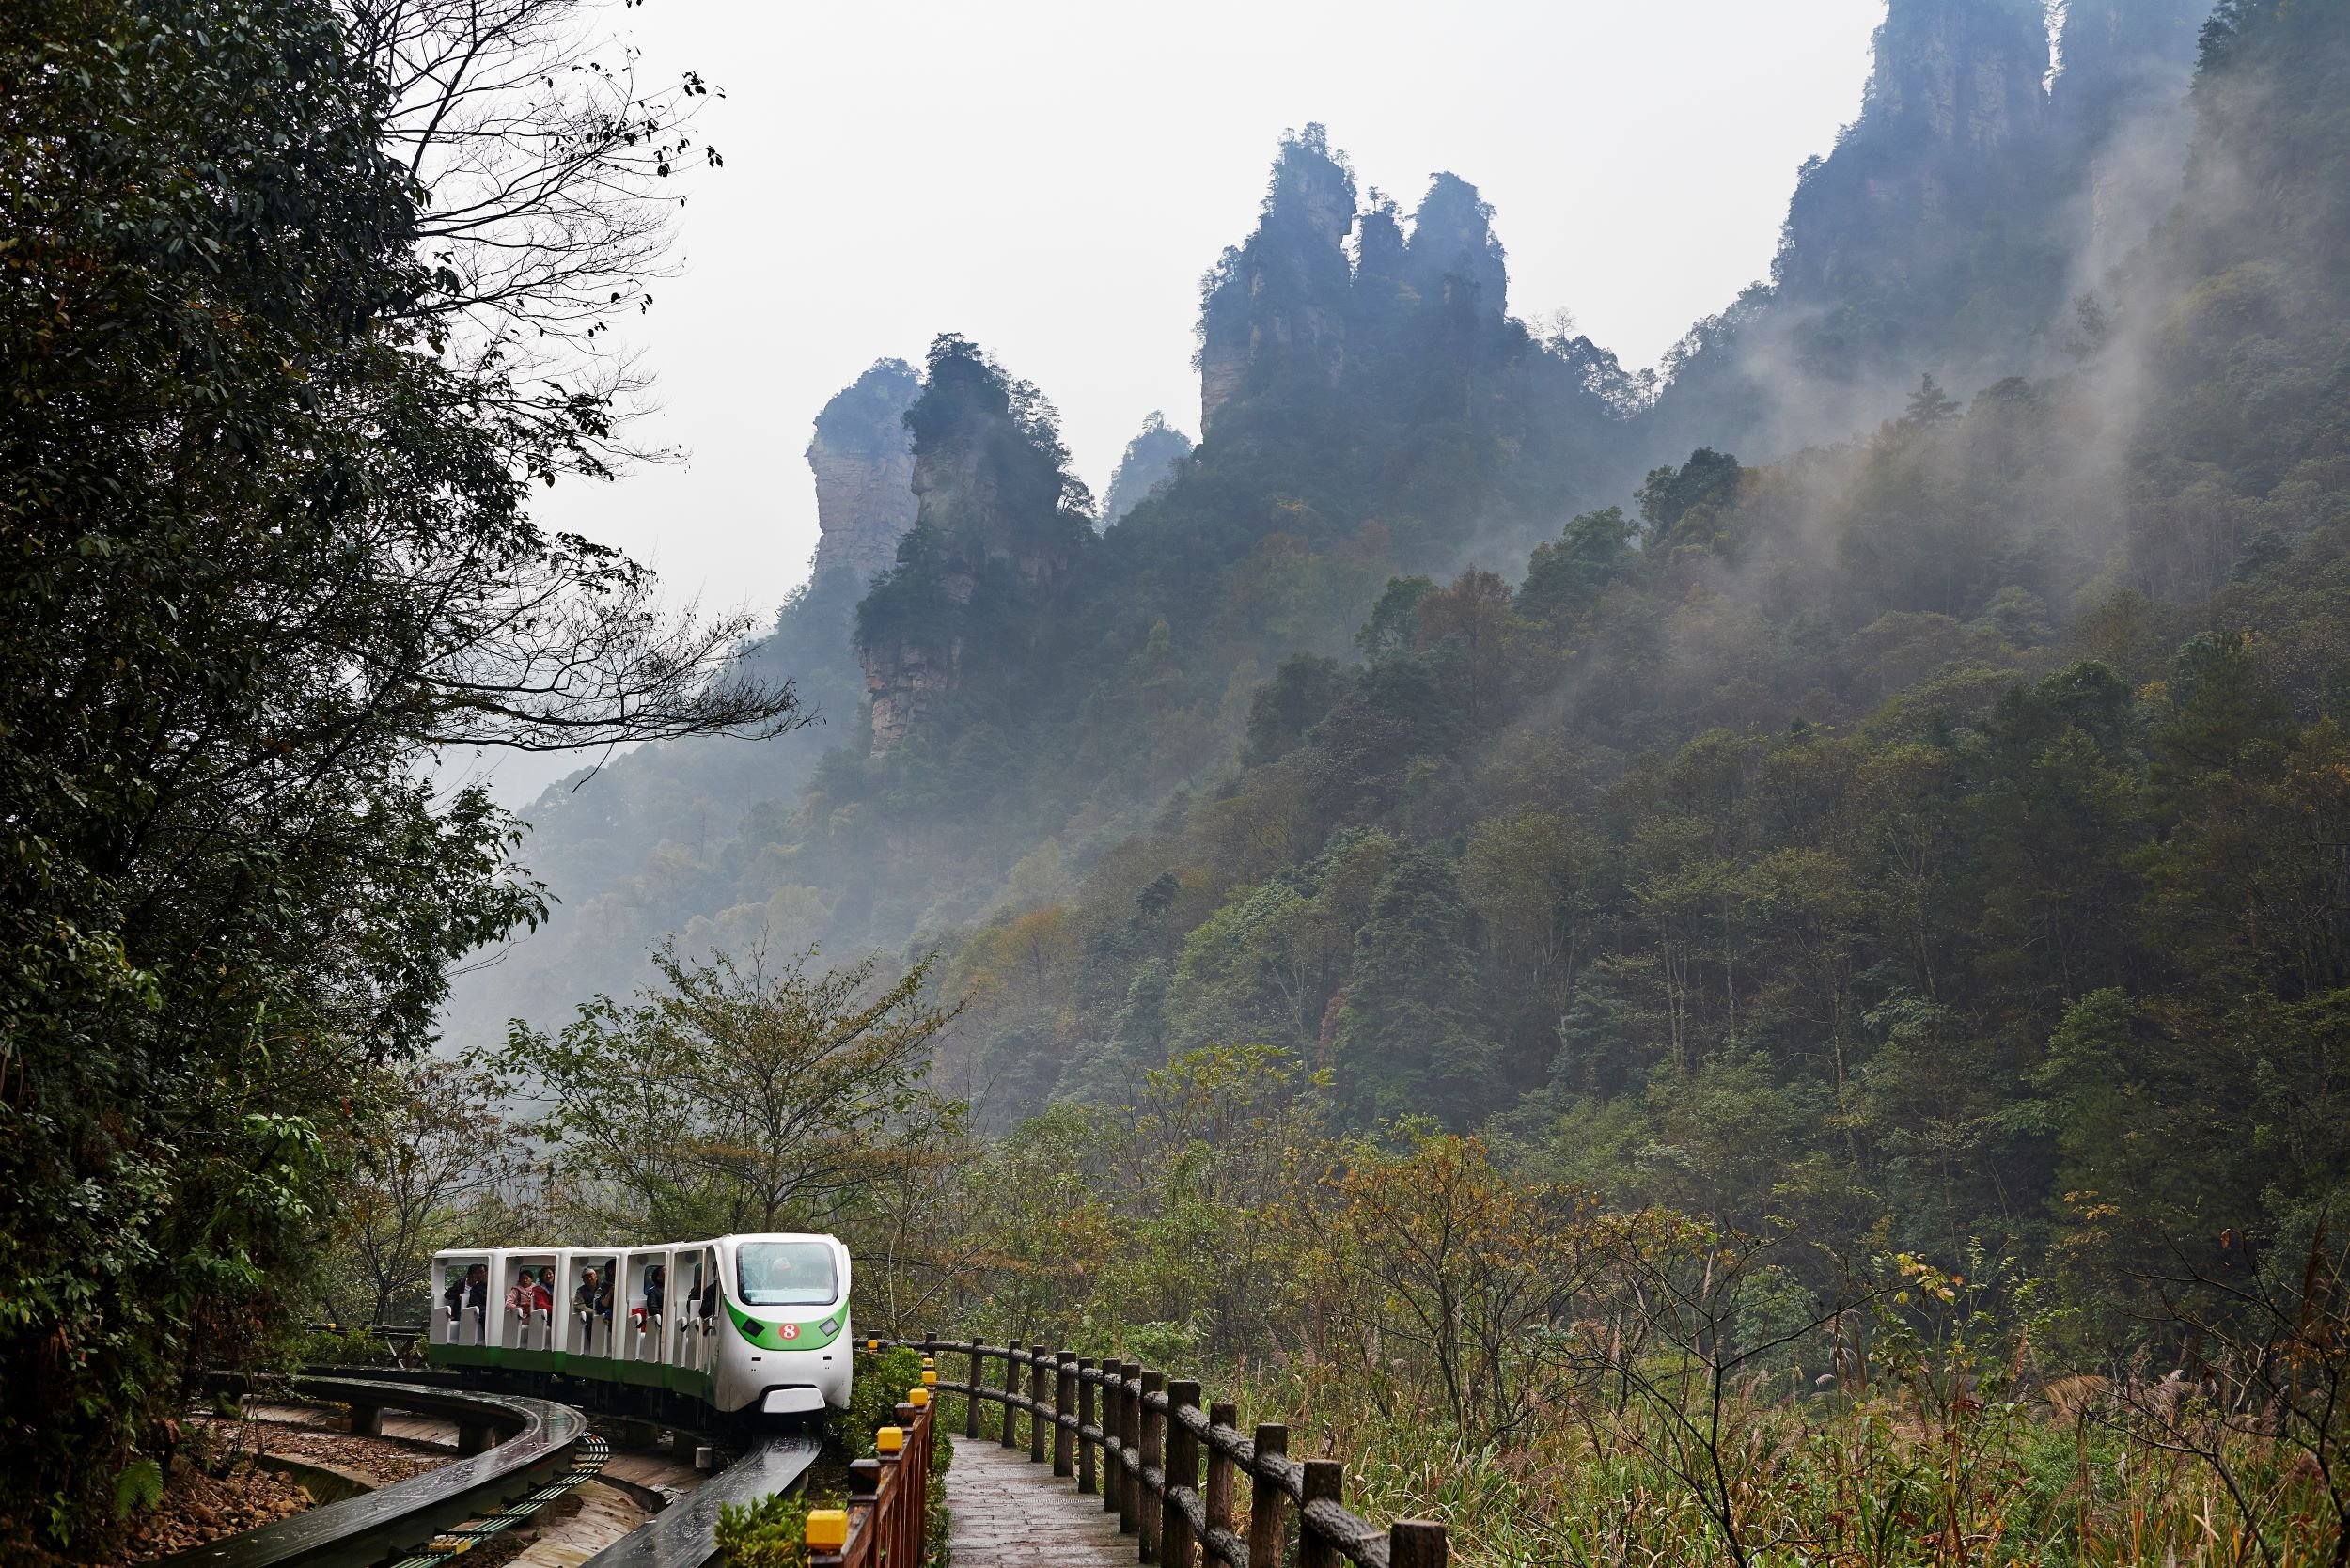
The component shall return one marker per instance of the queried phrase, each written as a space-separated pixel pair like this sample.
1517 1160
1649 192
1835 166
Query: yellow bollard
874 1346
827 1528
930 1378
918 1397
889 1439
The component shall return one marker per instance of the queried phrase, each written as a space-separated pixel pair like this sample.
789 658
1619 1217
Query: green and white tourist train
753 1324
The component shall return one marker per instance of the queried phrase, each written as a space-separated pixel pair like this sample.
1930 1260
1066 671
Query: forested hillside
1930 834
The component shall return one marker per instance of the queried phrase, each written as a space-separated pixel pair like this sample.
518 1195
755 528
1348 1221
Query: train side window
593 1295
525 1302
464 1308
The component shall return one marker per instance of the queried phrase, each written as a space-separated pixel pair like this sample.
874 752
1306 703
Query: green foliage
1408 1043
876 1390
771 1532
140 1485
267 550
736 1098
1706 485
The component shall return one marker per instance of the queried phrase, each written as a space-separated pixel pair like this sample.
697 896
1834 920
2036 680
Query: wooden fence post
1217 1501
1037 1418
864 1492
1129 1442
1011 1388
1064 1411
1113 1435
892 1483
1182 1474
1266 1499
1085 1471
913 1487
1154 1457
1416 1543
1326 1481
929 1363
971 1395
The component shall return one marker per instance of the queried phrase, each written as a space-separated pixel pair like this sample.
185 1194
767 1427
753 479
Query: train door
685 1272
460 1305
707 1313
524 1303
696 1313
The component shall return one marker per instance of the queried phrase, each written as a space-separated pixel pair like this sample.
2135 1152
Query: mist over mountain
1983 191
1820 765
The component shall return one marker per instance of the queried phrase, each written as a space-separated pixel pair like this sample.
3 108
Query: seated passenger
468 1290
604 1299
524 1296
542 1291
655 1287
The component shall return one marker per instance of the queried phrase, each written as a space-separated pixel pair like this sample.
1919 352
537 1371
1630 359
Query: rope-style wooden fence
1139 1438
887 1517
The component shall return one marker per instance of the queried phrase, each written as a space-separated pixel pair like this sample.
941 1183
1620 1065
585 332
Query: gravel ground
197 1508
236 1490
381 1460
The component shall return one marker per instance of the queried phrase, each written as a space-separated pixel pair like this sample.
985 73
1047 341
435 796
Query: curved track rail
548 1450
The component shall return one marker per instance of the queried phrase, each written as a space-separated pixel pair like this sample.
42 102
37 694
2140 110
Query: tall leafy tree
1408 1043
265 547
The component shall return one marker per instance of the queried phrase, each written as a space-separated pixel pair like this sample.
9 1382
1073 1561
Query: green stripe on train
599 1369
785 1335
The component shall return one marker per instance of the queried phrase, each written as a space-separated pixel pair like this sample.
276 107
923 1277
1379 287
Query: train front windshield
786 1273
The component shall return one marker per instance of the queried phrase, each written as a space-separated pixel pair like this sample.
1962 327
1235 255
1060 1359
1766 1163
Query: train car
746 1326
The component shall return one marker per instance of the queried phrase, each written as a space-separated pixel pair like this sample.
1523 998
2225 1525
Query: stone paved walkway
1010 1514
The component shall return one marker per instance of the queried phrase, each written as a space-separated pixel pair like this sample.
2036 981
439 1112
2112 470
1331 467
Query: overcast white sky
1051 180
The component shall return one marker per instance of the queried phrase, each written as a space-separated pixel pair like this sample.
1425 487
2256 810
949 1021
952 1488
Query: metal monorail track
549 1451
414 1523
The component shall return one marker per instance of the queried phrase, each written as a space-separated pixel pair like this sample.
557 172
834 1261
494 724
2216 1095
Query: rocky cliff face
2121 102
903 681
1452 245
862 459
1276 305
1288 310
1953 223
1967 73
1953 127
998 522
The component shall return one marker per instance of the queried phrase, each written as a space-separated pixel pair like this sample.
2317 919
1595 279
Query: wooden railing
888 1517
1139 1438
